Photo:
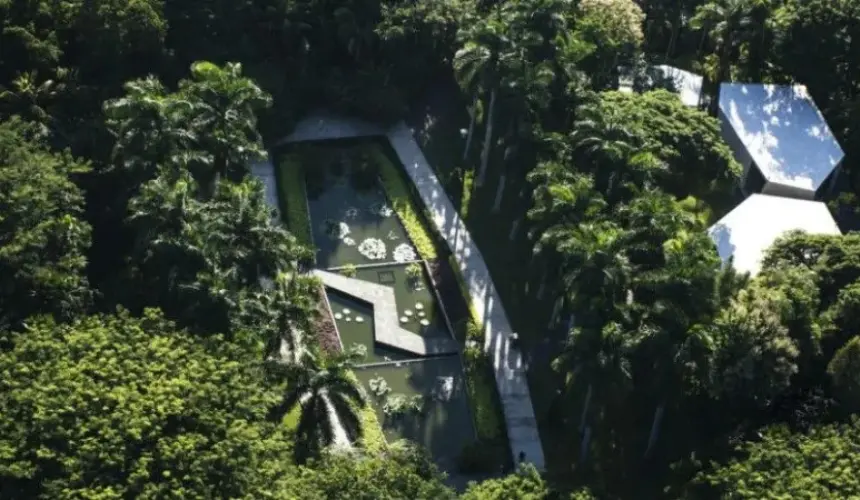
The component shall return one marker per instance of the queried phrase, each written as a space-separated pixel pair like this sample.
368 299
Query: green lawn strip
372 438
466 198
397 189
481 385
293 197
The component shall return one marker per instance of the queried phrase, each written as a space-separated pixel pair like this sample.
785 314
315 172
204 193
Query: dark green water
444 427
354 332
348 206
409 296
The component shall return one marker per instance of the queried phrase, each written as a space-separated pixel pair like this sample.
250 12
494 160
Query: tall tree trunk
676 28
585 407
723 74
583 447
473 116
655 428
497 203
488 136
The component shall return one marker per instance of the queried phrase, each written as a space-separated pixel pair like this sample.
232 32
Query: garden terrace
356 207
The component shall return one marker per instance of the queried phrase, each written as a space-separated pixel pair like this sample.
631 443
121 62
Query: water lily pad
338 316
425 322
419 306
404 319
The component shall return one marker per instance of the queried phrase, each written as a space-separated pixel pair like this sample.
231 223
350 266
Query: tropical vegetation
158 325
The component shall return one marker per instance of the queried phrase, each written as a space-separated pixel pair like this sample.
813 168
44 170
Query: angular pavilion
752 227
688 85
781 138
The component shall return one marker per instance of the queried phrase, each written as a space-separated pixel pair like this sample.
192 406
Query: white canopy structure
752 227
778 130
687 84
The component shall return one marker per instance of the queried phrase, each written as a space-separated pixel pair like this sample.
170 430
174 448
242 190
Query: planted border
398 193
293 198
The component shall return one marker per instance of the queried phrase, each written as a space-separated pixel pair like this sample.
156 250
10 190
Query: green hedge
481 384
480 378
372 439
293 198
397 190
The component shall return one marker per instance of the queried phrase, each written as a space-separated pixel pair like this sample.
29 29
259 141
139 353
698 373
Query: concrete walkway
507 361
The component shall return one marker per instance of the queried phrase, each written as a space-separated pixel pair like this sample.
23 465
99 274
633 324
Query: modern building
780 137
751 228
687 85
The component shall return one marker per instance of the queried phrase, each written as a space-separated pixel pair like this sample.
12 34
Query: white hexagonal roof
751 228
687 84
784 132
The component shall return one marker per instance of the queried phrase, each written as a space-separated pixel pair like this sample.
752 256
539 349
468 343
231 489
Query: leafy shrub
349 270
372 437
397 190
378 386
293 198
413 272
524 484
397 405
482 457
465 199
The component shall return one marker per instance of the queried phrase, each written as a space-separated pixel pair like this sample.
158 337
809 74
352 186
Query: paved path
507 361
386 328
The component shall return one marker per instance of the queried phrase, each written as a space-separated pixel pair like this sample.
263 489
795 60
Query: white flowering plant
404 253
373 249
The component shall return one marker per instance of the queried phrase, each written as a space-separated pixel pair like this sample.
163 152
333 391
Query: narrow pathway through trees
510 370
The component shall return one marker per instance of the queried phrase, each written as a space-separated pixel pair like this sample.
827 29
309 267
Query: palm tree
149 126
477 65
561 197
224 120
602 132
282 314
595 270
596 359
328 397
31 97
724 22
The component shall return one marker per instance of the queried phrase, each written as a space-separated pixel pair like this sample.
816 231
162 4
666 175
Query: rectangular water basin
445 425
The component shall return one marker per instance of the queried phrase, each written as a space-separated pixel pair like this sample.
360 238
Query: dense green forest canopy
157 325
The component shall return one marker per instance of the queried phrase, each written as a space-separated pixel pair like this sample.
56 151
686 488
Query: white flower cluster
342 230
382 210
404 253
372 248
